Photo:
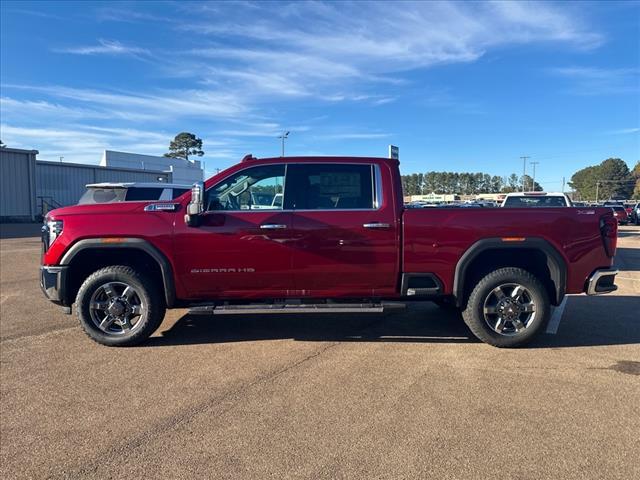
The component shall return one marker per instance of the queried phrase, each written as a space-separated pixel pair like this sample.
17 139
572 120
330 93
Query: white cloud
43 110
161 105
357 35
85 144
105 47
252 57
52 143
314 48
600 81
625 131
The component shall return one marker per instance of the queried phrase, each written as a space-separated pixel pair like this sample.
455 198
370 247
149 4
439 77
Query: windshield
541 201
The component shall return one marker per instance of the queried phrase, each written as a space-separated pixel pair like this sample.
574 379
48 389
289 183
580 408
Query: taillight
609 232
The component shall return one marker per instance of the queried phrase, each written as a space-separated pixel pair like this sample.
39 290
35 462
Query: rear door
345 231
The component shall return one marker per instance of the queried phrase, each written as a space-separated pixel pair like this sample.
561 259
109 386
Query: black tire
147 293
484 291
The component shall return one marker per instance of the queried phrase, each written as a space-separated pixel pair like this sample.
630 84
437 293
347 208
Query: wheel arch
126 249
473 261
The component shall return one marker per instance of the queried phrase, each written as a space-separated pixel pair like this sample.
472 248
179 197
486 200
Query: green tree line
464 183
609 180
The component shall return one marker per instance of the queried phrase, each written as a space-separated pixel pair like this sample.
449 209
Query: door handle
273 226
376 225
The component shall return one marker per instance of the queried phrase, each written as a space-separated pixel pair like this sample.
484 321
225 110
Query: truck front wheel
507 308
118 306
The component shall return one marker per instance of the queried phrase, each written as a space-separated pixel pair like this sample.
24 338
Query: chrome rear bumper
601 281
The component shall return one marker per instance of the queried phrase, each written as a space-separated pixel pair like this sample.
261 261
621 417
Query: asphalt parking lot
404 395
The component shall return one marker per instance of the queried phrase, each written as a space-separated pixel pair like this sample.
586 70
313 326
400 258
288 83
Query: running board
293 308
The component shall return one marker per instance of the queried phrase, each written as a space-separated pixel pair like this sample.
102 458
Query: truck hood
98 209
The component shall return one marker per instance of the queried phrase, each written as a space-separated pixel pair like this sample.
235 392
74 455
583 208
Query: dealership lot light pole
533 180
524 171
283 137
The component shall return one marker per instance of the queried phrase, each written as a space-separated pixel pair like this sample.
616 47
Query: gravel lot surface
402 395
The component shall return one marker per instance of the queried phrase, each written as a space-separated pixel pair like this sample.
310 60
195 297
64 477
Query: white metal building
29 187
183 171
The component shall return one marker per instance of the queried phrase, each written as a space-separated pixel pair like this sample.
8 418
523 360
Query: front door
241 247
345 230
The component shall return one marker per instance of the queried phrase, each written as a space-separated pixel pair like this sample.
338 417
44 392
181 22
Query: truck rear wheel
118 306
507 308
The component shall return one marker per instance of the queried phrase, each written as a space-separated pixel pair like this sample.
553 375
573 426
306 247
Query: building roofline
93 165
18 150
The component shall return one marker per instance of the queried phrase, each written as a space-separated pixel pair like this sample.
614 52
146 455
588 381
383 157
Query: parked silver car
131 192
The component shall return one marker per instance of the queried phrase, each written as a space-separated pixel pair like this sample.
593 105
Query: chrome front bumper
601 281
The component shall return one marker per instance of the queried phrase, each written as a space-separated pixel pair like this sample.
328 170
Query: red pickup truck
319 234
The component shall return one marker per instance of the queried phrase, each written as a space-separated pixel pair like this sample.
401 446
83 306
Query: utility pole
533 181
283 137
562 184
524 171
597 190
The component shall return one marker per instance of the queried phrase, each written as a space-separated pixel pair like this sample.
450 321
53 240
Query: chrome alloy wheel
509 309
116 308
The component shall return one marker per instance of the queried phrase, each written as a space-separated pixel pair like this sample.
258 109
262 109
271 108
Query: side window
332 186
557 202
140 194
257 188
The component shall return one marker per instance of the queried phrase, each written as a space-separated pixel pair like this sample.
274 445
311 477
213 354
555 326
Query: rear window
332 186
138 194
102 195
618 208
541 201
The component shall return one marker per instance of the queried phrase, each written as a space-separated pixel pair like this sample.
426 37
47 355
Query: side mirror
196 205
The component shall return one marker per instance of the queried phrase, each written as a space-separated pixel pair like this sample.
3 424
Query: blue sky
457 86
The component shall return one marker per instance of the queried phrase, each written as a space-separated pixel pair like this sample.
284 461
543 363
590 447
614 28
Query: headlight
55 229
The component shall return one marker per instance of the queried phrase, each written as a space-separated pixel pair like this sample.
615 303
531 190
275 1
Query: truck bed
435 239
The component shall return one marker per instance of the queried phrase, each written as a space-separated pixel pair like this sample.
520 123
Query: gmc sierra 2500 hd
319 234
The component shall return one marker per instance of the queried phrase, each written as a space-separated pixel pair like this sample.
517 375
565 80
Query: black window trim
376 189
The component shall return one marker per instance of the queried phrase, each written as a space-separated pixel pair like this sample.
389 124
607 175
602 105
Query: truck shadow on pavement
421 324
587 321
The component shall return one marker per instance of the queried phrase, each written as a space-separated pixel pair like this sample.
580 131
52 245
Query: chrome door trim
377 225
273 226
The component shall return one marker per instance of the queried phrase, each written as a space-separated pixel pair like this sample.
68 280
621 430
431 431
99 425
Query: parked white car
536 199
131 192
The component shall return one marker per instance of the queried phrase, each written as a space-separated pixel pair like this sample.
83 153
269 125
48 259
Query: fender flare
129 243
555 263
